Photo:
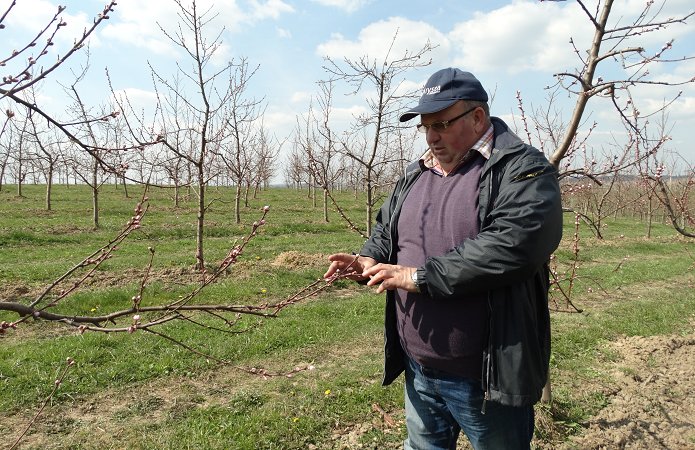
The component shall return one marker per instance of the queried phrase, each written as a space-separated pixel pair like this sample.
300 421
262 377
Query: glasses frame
443 125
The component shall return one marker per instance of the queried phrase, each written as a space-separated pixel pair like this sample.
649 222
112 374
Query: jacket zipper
488 363
529 175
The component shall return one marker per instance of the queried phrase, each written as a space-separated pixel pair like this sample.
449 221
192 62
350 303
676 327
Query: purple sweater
438 214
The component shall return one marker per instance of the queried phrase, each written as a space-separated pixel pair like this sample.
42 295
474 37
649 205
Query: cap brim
427 108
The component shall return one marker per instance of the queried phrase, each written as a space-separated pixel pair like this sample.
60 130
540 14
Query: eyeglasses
441 126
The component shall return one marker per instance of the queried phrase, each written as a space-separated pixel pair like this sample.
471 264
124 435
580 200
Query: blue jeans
439 405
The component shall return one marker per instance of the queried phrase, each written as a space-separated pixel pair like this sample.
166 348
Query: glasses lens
439 126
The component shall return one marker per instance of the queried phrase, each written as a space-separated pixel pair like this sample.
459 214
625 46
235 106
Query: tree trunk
95 195
237 203
199 258
650 215
49 186
125 187
95 207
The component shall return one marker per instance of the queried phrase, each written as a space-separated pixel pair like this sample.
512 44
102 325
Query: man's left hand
390 277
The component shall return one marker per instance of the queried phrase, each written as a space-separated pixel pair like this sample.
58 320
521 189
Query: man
461 248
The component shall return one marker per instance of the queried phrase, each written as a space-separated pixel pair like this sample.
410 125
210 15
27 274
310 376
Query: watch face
414 277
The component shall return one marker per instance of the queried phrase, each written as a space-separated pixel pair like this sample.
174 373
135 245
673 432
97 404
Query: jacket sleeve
522 228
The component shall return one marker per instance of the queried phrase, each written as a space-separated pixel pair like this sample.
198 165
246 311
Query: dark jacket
520 226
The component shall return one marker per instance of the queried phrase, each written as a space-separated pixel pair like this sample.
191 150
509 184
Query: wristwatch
416 280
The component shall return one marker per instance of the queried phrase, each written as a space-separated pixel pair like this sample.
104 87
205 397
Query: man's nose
432 135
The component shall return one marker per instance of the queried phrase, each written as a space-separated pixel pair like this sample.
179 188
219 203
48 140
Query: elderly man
461 247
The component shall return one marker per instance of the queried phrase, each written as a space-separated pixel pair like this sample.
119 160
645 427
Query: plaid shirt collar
482 146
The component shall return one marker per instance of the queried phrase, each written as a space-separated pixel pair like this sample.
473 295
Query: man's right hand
347 263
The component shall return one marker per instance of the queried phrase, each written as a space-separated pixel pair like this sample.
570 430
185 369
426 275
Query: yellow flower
295 419
263 291
327 393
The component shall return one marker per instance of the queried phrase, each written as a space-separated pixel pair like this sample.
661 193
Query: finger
329 273
386 284
333 268
340 257
373 270
377 277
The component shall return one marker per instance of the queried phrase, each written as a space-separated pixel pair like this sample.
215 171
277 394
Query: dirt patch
651 405
14 292
103 279
293 259
184 275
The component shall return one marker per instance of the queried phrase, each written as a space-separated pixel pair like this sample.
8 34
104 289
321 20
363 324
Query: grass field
139 391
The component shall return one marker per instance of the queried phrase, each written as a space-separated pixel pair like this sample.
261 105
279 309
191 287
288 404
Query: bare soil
651 402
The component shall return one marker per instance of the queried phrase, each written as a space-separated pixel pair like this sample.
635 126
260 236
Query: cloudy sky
509 45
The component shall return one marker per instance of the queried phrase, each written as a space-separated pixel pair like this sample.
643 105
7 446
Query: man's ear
480 120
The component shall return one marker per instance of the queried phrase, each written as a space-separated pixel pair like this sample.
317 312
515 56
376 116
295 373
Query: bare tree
371 141
295 171
93 167
5 144
17 151
196 129
319 148
48 144
241 116
612 44
654 173
264 160
25 69
633 60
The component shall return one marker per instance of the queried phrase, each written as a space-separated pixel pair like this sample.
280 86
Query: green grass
145 392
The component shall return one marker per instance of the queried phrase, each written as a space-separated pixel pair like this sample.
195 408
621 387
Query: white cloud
283 33
270 9
28 17
349 6
374 41
301 96
534 36
409 86
518 37
138 23
139 99
280 121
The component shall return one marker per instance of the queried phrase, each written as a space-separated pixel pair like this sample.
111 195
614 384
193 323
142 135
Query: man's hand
346 263
390 277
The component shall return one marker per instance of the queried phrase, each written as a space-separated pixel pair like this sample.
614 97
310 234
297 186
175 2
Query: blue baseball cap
444 88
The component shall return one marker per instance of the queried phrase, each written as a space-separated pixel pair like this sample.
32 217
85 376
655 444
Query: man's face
451 144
